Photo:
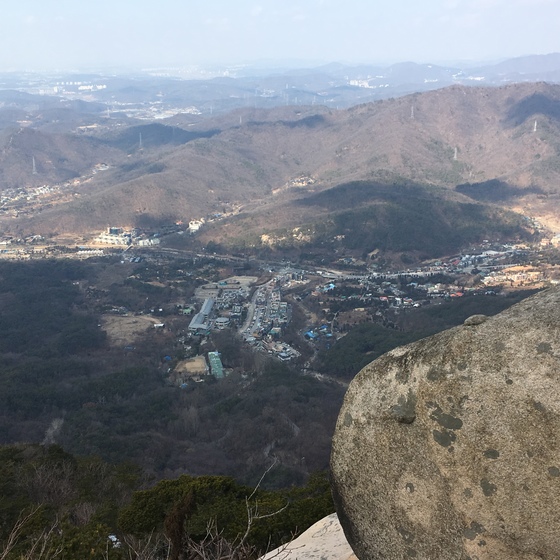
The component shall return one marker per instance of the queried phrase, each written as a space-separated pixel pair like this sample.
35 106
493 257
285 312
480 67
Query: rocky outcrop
449 448
322 541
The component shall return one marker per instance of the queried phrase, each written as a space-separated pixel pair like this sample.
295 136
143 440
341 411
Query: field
124 330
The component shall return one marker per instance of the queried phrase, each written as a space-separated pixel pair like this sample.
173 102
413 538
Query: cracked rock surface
449 448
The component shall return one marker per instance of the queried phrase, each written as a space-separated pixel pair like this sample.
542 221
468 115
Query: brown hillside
58 157
446 137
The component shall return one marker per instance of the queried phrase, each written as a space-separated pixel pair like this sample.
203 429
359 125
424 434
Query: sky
40 35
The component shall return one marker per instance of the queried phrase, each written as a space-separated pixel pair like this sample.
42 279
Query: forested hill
76 507
260 160
364 216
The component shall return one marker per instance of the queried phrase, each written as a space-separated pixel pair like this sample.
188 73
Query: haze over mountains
221 89
265 167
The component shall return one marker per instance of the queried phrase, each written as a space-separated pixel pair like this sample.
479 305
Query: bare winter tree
39 547
176 544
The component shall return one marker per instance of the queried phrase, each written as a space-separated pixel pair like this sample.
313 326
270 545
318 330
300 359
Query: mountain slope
365 216
259 159
58 157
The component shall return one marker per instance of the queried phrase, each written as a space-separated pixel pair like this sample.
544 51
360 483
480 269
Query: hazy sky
79 34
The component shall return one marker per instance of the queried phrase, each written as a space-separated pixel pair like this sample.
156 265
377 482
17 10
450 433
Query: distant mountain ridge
335 85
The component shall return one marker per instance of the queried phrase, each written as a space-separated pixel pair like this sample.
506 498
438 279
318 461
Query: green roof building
216 367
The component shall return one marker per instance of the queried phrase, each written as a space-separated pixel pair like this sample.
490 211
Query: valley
240 267
192 272
297 331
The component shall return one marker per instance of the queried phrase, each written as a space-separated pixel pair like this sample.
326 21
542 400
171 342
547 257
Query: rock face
322 541
449 448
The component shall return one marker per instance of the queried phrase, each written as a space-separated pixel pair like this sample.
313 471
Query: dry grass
125 330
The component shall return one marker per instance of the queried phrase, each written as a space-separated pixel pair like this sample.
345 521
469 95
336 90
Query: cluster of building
284 352
260 319
223 304
201 322
120 236
116 235
25 200
267 317
345 300
267 314
13 200
515 276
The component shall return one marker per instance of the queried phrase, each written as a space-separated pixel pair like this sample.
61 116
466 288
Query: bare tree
50 483
40 546
154 547
254 513
176 544
214 546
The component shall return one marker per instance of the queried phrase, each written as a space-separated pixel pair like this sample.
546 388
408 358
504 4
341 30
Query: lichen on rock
449 448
